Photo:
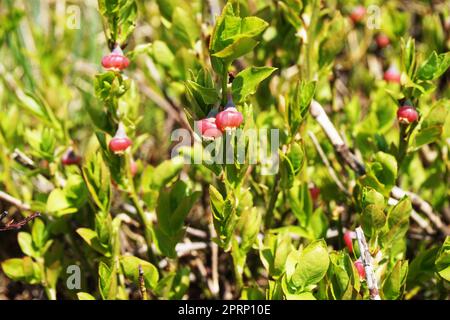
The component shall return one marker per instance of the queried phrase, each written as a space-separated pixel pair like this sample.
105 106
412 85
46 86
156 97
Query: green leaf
91 238
435 66
427 136
166 7
442 262
22 270
164 173
334 42
422 267
166 244
397 222
208 95
301 203
217 202
107 281
162 54
409 56
371 196
252 26
282 249
26 244
172 209
292 164
39 233
230 29
387 173
98 181
235 50
298 106
392 286
184 27
246 81
432 125
274 291
249 225
400 213
312 264
58 204
84 296
130 266
373 219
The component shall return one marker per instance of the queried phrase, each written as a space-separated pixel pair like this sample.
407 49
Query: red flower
120 142
407 114
70 158
115 61
358 14
133 168
229 118
348 239
360 267
208 128
382 40
392 75
314 192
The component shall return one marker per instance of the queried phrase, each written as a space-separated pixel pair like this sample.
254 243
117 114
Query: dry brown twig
142 288
11 225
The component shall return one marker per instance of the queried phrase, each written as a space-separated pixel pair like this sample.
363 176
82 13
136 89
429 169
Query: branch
183 249
142 288
339 145
14 201
366 259
18 225
23 159
351 160
214 7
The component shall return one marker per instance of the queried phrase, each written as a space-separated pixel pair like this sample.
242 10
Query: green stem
147 224
50 293
225 85
272 201
145 221
402 145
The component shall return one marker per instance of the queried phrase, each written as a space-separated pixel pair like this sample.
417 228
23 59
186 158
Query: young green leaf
246 82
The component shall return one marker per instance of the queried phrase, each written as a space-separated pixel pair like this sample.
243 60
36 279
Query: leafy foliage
153 218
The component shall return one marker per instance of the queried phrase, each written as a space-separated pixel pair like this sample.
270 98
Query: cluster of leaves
126 227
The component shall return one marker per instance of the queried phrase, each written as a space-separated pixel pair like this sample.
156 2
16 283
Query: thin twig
327 163
14 201
142 288
197 233
183 249
366 259
339 145
23 159
11 225
214 7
